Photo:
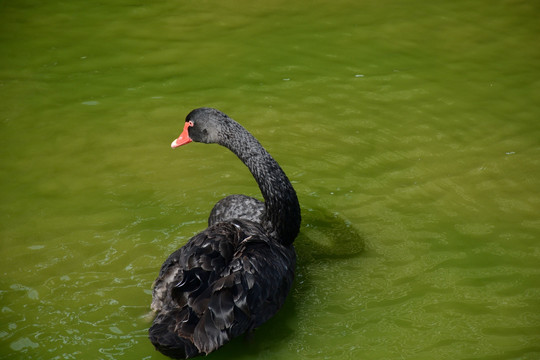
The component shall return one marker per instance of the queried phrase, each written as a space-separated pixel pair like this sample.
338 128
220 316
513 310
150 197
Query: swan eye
191 123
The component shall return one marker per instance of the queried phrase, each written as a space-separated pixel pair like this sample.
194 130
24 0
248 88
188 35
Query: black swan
235 275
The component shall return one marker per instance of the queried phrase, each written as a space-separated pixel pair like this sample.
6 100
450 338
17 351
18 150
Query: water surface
410 132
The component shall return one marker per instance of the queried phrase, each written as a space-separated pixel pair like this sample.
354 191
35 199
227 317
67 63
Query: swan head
204 125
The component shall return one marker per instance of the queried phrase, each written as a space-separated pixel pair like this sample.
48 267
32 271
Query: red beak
184 138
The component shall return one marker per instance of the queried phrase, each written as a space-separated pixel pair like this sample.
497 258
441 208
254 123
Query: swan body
232 277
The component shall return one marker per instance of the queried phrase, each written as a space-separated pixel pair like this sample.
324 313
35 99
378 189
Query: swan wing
229 279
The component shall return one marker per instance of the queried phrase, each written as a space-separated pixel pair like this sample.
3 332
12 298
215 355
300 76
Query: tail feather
218 314
208 336
166 330
221 308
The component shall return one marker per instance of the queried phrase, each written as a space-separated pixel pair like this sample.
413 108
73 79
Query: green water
410 130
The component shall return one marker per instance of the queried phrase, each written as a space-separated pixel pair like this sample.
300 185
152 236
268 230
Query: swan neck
282 216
